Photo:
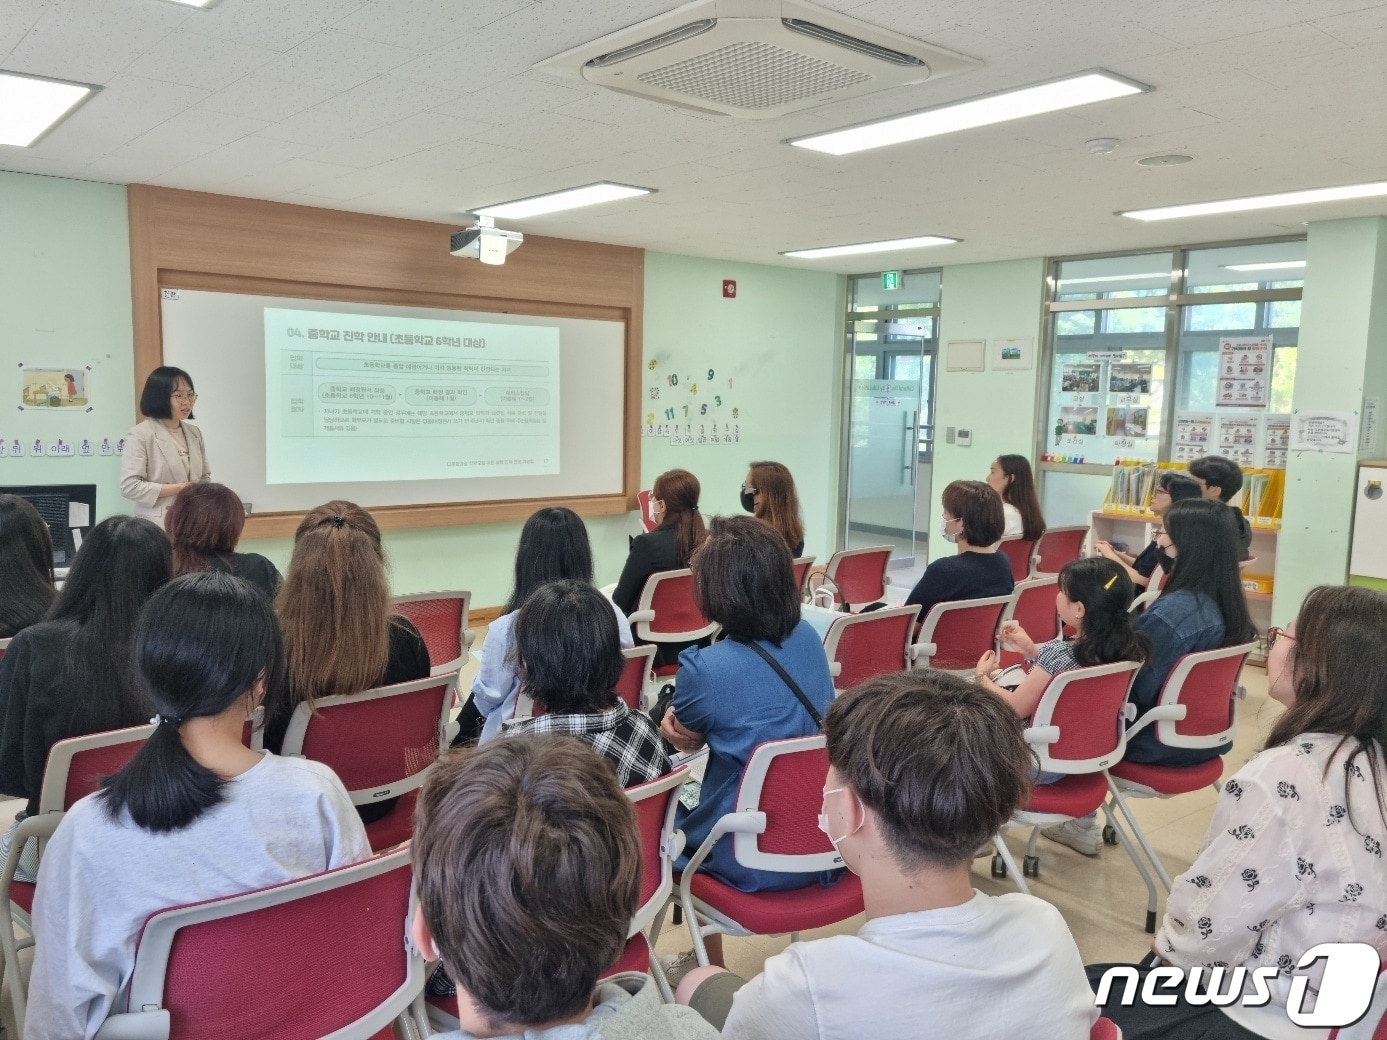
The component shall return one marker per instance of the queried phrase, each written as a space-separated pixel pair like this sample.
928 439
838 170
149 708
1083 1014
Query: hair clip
339 521
171 720
1110 583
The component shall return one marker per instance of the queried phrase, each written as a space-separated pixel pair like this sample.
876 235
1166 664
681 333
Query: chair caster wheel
999 866
1109 834
1030 866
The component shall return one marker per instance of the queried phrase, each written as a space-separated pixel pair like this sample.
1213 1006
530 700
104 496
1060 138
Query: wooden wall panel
228 244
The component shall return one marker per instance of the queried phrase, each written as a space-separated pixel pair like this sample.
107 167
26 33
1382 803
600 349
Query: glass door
888 429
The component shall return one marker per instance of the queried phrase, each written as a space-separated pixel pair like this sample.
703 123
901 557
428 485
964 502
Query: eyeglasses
190 398
1274 635
748 490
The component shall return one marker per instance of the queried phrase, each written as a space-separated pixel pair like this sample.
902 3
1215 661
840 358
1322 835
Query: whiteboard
220 340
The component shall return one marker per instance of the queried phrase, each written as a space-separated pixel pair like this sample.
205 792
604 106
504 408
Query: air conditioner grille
753 75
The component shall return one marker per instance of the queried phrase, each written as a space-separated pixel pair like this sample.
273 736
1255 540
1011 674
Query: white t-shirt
101 878
995 966
1014 527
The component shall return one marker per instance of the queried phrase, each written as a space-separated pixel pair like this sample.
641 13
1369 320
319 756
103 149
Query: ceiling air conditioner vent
754 59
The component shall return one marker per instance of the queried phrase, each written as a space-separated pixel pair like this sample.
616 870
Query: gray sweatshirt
101 878
625 1007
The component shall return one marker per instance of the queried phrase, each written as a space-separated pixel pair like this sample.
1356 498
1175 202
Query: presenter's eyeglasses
190 398
1275 635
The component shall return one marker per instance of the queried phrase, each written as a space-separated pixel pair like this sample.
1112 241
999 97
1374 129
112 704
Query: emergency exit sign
890 279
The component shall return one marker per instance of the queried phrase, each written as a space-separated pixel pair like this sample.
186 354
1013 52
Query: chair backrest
635 673
859 575
677 619
1157 580
441 618
1019 551
1081 712
380 743
76 766
1105 1029
1033 607
802 565
1204 684
647 520
325 956
860 646
1058 546
784 779
655 804
955 634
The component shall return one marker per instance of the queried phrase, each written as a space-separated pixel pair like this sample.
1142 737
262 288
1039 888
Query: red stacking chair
1033 606
380 743
860 646
74 770
1105 1029
773 827
1195 710
802 565
1373 1024
666 613
637 672
661 844
441 618
1021 553
857 575
325 956
1076 729
1058 546
954 635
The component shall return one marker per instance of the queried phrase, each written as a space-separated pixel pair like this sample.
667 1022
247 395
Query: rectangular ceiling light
1288 198
891 246
1279 265
203 4
1083 88
30 106
1116 278
558 201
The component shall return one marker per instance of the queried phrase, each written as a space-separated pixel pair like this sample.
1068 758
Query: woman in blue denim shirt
731 699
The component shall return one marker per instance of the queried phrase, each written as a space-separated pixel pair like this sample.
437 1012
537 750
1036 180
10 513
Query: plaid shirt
625 738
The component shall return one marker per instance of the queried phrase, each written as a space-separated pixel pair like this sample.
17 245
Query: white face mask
827 833
944 523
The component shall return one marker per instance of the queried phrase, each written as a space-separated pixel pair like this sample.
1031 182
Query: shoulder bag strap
794 686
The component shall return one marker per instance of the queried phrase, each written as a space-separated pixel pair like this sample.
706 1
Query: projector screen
302 401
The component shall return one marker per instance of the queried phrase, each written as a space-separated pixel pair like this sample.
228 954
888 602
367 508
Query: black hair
568 648
1216 471
1105 589
1179 487
1206 563
204 641
744 579
26 565
159 386
553 544
120 565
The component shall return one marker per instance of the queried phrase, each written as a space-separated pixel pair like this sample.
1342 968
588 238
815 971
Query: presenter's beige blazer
150 459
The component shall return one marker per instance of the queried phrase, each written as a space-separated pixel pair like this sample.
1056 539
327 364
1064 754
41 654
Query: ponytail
163 787
1107 634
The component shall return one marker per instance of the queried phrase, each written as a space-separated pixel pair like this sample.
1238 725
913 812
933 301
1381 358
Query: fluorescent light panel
30 106
1288 198
558 201
202 4
1279 265
1116 278
871 247
1083 88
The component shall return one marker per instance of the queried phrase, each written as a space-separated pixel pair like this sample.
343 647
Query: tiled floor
1103 899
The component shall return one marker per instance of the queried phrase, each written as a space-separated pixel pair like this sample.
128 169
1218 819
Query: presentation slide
358 397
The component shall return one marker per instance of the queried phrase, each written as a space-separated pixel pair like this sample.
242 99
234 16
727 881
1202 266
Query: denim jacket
1178 623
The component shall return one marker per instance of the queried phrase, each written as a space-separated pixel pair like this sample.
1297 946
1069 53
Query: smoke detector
754 59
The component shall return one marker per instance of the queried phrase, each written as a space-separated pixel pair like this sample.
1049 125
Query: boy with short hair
925 768
1220 479
527 865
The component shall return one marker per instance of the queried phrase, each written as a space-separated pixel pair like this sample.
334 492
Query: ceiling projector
486 242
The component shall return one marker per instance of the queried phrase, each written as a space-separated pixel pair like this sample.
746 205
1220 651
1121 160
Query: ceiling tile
423 24
17 17
188 57
267 95
415 133
91 40
126 108
274 24
337 60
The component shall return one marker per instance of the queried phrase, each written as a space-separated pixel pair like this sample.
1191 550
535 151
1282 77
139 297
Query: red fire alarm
729 288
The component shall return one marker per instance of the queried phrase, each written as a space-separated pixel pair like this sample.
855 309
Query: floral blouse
1293 858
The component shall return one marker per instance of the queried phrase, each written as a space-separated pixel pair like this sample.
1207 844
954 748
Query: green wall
1343 339
983 301
65 303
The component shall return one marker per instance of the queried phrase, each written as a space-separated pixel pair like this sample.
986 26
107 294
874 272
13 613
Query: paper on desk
79 514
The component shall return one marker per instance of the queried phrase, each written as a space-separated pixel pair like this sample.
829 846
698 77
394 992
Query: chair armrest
835 668
730 823
469 636
641 617
1041 734
136 1025
680 758
926 650
41 827
677 843
1160 713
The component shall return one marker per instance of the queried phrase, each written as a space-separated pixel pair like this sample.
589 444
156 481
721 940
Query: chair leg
658 972
9 960
696 934
1138 833
1002 850
1126 844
